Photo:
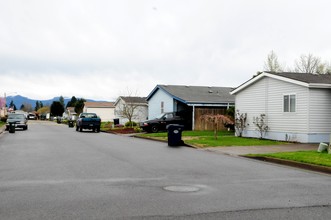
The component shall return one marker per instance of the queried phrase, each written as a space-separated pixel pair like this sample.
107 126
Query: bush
130 124
106 124
3 119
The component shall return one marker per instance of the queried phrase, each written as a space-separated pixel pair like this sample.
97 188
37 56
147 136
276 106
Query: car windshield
89 115
15 116
160 116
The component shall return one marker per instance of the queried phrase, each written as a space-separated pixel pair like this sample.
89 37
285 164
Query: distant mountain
19 100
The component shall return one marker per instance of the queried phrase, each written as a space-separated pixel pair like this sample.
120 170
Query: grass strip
207 139
309 157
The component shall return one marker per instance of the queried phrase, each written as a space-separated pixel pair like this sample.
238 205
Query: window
289 103
162 107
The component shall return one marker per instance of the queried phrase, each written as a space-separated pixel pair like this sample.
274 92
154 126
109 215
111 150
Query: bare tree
261 125
129 106
307 64
27 107
272 64
240 122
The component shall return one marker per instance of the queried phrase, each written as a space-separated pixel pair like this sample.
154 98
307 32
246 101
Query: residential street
51 171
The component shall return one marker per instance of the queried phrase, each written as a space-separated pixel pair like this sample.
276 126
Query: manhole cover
181 188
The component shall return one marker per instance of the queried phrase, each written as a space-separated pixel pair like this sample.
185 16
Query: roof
303 79
196 94
134 99
306 77
99 104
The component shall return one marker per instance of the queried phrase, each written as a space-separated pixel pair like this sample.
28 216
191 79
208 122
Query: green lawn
2 123
310 157
206 139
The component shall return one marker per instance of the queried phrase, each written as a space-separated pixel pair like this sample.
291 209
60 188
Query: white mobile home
297 106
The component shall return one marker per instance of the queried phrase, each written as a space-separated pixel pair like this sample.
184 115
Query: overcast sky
100 49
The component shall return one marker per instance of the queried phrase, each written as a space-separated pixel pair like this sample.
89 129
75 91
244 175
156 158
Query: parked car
160 123
19 121
32 116
88 121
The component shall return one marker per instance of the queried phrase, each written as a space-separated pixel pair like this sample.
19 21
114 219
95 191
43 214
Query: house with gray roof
192 101
297 106
133 107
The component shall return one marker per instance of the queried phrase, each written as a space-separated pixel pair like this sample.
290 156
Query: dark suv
160 123
19 121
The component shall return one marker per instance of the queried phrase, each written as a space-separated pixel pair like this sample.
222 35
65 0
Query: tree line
55 109
306 63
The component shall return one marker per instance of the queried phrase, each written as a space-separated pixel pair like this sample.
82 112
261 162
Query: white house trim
264 74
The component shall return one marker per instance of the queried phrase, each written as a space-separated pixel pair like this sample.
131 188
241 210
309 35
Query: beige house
105 110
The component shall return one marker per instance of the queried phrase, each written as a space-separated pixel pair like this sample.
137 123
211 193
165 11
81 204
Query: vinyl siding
252 101
280 121
106 114
154 104
266 96
320 111
140 113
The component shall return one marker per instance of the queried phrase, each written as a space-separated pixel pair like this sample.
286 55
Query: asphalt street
51 171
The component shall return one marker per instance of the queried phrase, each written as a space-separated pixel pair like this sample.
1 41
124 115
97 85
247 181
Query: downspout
193 116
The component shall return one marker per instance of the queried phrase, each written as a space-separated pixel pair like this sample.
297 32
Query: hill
21 100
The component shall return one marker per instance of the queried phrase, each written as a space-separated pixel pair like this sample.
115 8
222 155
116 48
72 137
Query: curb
164 141
304 166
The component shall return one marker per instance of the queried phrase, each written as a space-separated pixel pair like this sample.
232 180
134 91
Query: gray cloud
138 44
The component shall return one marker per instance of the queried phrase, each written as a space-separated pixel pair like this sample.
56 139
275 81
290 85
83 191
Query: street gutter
291 163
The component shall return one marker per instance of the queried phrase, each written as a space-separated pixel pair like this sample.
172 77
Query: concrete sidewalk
237 151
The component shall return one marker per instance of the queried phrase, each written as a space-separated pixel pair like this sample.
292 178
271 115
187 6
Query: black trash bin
116 121
175 135
12 127
71 123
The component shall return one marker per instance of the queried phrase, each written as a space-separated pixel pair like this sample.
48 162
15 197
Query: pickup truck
160 123
88 121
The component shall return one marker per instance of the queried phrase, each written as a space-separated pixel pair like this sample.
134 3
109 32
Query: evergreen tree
79 105
57 108
12 105
37 106
72 102
61 100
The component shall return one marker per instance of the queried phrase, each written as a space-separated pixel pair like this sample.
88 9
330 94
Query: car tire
154 128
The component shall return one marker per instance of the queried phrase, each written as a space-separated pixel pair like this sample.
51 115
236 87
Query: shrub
130 124
3 119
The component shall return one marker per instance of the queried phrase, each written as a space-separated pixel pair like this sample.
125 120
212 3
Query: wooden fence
204 125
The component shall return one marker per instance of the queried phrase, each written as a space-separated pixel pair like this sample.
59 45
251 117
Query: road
53 172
